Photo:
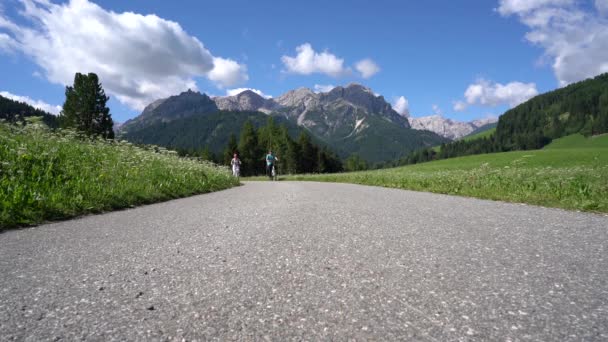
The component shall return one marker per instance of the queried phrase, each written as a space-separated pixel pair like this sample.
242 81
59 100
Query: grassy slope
483 134
564 178
384 140
212 130
483 129
579 141
47 176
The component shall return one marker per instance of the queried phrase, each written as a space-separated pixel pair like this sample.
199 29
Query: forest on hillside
15 111
299 155
580 107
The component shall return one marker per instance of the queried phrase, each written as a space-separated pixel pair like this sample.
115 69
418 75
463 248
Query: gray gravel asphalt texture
309 261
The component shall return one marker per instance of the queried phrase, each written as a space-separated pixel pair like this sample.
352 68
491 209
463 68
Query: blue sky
430 53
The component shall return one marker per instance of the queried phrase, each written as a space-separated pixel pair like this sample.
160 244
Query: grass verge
49 176
563 178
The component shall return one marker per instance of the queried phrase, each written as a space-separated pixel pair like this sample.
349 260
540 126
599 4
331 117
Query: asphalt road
309 261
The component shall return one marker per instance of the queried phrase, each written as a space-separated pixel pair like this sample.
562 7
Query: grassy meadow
48 176
574 177
578 141
484 134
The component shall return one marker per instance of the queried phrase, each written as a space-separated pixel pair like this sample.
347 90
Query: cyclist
270 160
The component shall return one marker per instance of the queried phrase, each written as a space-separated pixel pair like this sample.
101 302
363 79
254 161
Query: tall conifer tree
85 107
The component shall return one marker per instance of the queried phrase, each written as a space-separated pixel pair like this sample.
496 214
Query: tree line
84 109
16 112
578 108
299 155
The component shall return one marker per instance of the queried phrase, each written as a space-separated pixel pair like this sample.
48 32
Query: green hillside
481 132
12 111
578 108
384 140
572 178
195 132
578 141
485 133
47 175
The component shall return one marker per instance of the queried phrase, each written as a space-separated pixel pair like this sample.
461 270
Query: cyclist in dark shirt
270 160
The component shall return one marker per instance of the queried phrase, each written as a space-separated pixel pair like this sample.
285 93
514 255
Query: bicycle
274 173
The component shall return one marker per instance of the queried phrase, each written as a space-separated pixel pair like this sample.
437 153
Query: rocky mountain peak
152 106
185 94
297 97
246 100
483 122
187 103
448 128
357 87
364 98
350 118
249 93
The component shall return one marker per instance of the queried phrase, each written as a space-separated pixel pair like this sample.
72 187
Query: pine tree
269 136
85 107
356 163
250 154
602 118
308 154
287 151
322 162
230 150
206 154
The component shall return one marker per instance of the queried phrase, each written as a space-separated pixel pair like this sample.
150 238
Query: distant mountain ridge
212 130
328 113
484 128
245 101
449 128
175 107
349 119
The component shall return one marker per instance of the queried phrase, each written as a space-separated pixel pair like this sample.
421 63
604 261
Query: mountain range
449 128
349 119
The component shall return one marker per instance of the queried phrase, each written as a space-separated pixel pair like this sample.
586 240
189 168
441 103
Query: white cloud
508 7
6 42
138 58
34 103
437 110
367 68
323 88
487 93
574 36
228 73
459 106
308 61
236 91
402 106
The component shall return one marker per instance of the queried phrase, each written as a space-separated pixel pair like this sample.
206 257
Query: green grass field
483 134
48 176
570 178
575 141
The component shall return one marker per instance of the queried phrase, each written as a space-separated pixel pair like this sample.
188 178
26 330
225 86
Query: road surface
309 261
